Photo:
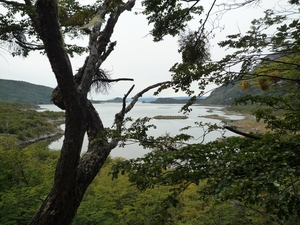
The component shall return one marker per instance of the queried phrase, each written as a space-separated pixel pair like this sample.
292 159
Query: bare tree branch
253 75
188 11
140 94
108 51
119 117
126 95
113 80
99 41
29 45
237 5
12 3
201 28
282 62
125 109
242 133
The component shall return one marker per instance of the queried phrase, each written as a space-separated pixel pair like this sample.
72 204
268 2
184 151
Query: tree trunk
74 174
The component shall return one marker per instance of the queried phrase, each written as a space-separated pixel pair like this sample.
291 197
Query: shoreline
248 124
56 134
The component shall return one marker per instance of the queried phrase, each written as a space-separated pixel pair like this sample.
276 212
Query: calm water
108 110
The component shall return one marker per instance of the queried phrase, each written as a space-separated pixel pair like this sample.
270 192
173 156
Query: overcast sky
135 56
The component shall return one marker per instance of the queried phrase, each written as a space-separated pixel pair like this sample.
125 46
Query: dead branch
242 133
119 117
12 3
113 80
140 94
124 99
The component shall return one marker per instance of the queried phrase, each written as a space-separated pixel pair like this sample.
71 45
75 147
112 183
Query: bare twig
125 97
207 16
187 12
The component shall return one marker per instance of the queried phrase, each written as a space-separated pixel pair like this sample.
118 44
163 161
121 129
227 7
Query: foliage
169 17
118 202
26 176
262 172
22 123
21 38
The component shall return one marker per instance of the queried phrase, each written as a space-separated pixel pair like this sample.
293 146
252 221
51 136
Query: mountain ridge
25 92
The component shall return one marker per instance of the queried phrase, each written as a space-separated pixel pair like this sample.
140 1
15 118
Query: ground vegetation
24 123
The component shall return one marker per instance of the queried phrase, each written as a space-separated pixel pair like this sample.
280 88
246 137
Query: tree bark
74 172
59 207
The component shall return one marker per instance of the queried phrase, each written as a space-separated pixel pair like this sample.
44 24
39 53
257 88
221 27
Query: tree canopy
259 169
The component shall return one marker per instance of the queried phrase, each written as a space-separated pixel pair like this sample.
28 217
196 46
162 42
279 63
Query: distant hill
147 99
24 92
225 95
115 100
170 101
20 91
162 100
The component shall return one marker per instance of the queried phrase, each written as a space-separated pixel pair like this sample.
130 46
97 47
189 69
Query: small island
215 116
165 117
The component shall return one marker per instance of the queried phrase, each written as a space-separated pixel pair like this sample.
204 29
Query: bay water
172 127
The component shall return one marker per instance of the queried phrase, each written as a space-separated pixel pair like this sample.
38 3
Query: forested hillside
20 91
226 94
